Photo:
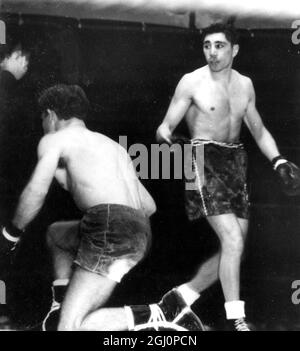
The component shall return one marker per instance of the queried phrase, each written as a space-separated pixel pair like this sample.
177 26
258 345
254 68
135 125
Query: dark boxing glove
289 175
9 239
180 139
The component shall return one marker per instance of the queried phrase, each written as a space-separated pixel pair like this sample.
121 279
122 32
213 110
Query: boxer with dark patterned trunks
215 101
223 188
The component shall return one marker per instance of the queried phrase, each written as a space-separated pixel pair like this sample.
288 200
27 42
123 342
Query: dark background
129 73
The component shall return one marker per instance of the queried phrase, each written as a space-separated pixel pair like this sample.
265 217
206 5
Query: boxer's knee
75 320
232 242
69 325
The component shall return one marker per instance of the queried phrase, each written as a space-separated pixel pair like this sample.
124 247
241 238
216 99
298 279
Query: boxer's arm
262 136
178 107
287 172
34 194
61 177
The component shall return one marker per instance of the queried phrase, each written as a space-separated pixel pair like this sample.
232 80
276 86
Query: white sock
60 282
235 309
188 294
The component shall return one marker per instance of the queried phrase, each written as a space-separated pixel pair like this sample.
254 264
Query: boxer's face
218 51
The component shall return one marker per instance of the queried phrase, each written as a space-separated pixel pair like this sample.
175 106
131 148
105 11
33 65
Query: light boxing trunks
113 239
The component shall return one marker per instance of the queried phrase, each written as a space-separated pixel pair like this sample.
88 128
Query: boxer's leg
62 241
231 238
244 224
114 239
208 272
231 233
87 292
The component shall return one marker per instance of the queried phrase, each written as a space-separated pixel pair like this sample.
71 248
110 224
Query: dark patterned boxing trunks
220 180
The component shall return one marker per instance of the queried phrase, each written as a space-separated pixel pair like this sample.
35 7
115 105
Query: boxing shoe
171 313
239 324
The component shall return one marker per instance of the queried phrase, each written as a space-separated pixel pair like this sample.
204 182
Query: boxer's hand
289 175
10 237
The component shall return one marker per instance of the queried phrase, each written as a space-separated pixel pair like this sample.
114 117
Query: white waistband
196 142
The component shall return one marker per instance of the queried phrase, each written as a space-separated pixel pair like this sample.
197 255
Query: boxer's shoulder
193 81
199 73
50 142
242 79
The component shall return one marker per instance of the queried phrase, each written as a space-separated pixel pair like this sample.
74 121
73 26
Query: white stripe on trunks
195 166
197 142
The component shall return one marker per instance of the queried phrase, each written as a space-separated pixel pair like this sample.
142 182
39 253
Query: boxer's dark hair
229 31
66 101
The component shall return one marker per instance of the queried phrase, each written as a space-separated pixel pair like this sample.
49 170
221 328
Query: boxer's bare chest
218 101
217 110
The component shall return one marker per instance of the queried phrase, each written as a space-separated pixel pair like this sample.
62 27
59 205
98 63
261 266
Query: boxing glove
180 139
288 174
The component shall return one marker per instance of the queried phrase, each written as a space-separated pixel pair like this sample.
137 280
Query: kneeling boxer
114 233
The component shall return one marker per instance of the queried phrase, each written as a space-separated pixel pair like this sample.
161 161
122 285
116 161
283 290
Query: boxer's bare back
95 169
91 166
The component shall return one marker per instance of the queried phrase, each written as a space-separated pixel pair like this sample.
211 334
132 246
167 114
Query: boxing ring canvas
128 57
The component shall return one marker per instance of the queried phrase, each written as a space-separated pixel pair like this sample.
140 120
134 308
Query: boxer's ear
236 49
52 120
52 114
